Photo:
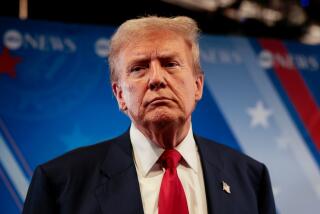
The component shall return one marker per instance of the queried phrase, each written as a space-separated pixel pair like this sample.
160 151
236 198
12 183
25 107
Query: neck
167 136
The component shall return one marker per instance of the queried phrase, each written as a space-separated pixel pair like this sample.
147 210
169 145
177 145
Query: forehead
161 43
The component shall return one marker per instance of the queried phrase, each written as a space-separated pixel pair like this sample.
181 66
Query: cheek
185 92
189 92
132 95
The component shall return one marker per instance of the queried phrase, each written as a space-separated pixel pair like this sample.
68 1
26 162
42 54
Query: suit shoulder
248 178
82 158
230 155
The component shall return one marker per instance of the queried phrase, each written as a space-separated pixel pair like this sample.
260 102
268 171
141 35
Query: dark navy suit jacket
102 179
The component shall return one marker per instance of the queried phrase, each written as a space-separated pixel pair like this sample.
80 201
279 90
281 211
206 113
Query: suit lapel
212 166
119 192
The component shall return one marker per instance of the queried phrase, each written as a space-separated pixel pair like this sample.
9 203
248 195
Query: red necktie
172 199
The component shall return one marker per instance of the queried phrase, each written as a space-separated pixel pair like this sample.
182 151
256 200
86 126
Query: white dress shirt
150 173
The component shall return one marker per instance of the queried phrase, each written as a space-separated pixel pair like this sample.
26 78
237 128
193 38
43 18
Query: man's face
156 81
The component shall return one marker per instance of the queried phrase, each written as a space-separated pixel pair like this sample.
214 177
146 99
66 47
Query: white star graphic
282 142
259 115
276 191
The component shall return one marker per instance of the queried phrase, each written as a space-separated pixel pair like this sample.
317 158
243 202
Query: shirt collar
147 153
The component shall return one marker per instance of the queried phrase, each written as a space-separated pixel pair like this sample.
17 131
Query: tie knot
170 158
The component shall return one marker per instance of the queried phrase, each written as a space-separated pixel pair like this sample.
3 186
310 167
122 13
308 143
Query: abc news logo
15 40
265 58
290 61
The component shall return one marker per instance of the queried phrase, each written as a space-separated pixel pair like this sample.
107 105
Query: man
158 166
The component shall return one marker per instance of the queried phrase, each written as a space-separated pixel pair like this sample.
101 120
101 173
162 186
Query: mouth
159 101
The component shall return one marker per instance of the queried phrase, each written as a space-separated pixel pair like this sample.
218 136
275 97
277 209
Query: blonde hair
137 28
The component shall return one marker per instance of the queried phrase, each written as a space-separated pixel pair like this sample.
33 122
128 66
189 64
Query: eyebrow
141 57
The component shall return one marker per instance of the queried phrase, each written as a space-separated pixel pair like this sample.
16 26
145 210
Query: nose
156 80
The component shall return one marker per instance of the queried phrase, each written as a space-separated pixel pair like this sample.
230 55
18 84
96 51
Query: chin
163 118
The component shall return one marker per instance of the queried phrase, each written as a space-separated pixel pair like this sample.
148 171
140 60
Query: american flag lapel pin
226 187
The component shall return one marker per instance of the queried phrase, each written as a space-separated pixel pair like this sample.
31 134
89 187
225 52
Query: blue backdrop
261 97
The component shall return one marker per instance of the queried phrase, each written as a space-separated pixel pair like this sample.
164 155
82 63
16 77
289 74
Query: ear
118 93
199 81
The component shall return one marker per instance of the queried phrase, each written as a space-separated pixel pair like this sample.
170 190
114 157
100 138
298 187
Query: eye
137 68
170 64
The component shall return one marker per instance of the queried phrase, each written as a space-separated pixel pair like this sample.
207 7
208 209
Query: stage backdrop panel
261 97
